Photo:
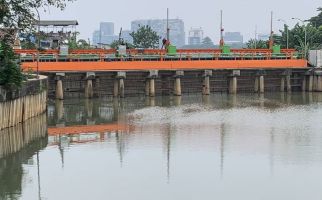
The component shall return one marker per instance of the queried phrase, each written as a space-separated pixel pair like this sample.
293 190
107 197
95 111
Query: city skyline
241 17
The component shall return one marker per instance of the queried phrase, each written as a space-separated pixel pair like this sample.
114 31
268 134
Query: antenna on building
221 43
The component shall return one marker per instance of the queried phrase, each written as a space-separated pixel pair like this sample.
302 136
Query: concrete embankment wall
15 138
17 106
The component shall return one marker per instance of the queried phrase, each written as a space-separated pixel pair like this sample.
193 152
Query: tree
258 44
317 20
10 72
116 43
145 37
17 15
207 43
83 44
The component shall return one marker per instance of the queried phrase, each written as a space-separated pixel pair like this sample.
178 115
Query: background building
233 38
177 33
195 36
126 36
105 34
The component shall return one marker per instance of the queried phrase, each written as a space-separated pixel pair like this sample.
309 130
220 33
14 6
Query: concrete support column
177 87
59 86
177 83
121 88
206 86
310 86
288 83
261 84
319 83
147 87
153 74
233 85
282 84
206 82
152 87
304 84
286 78
89 93
116 88
256 84
233 82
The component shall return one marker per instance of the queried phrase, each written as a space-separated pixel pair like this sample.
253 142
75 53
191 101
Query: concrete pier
153 74
118 85
310 84
152 87
59 86
177 83
233 81
288 83
282 84
116 88
259 86
206 82
89 93
121 88
147 87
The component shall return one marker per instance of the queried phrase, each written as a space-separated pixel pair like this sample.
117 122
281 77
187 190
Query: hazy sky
239 15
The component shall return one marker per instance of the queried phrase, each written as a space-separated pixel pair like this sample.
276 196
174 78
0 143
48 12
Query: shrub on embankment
11 75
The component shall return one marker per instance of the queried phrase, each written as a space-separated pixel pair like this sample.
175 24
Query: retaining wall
19 105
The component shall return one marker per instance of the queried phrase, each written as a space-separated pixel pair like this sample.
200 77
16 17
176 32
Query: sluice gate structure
96 73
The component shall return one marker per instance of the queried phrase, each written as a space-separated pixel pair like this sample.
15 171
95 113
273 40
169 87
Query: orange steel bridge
186 59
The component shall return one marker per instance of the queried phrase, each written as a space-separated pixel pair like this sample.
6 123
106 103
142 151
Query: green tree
316 21
83 44
10 72
116 43
258 44
207 43
145 37
18 15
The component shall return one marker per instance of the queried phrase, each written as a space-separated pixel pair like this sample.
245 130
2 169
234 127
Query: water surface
192 147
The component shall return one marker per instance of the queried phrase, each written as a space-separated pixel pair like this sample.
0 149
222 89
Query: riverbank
19 105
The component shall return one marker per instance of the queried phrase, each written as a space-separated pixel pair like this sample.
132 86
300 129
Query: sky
238 15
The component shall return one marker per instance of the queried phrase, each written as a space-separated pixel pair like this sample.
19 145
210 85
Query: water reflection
189 147
17 146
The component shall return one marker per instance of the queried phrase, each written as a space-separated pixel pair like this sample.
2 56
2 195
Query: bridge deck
164 65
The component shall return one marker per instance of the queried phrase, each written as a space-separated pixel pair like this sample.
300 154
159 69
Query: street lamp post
305 34
287 32
38 43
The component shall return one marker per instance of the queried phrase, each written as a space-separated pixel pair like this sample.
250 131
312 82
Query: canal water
191 148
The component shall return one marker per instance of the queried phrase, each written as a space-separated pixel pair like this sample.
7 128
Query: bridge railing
247 55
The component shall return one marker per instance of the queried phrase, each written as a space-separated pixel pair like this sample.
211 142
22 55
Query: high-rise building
177 33
105 34
107 28
195 36
126 36
233 38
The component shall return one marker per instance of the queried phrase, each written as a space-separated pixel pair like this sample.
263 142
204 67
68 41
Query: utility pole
221 43
38 42
271 40
255 36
